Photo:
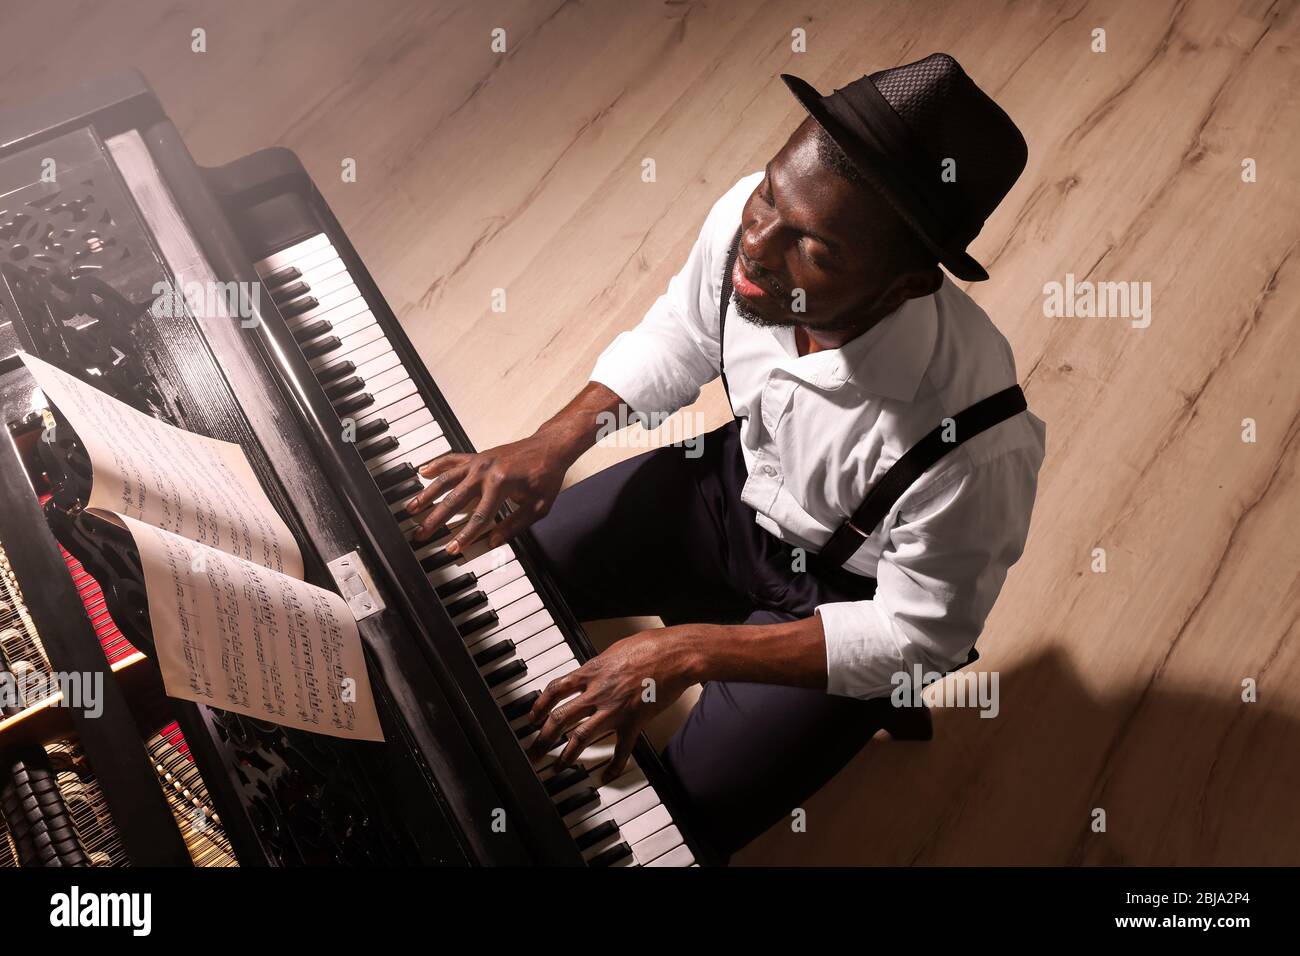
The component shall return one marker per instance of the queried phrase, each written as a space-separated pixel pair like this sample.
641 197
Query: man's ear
912 284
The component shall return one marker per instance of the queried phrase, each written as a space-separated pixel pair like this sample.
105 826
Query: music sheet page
232 634
191 485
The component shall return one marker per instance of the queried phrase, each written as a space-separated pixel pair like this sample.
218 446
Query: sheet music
194 486
235 635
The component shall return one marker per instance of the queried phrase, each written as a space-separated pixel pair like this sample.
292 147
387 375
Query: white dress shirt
819 430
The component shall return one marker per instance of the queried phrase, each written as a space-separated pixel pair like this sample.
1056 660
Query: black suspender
965 425
722 310
885 493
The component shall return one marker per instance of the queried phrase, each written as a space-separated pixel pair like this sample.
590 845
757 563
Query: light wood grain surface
477 170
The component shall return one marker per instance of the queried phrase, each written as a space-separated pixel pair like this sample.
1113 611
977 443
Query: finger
480 519
438 484
447 459
519 519
508 527
575 746
618 763
462 496
553 693
562 719
586 733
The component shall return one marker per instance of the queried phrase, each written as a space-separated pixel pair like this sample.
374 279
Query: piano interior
279 340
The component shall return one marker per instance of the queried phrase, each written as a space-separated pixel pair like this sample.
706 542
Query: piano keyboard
513 639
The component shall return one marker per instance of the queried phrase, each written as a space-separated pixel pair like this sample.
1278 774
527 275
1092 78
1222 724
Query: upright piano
104 215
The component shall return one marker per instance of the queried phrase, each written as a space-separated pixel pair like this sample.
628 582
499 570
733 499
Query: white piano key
370 367
348 310
639 803
393 411
404 426
408 451
610 794
386 396
536 645
520 631
537 683
646 825
548 662
482 563
311 261
355 340
316 269
656 845
506 616
347 328
286 257
682 856
371 350
500 576
327 285
379 385
501 600
325 304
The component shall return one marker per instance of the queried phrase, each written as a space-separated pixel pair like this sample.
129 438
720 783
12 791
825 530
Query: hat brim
957 261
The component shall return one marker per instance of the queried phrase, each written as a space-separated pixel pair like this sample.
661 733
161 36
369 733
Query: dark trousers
667 534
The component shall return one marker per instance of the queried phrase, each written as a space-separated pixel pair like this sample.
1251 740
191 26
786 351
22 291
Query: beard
753 318
787 320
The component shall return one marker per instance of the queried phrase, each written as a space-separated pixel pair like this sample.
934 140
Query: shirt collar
888 360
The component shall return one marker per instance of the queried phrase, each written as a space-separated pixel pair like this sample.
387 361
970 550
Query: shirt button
768 470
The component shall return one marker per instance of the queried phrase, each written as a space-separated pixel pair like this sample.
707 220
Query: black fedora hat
904 127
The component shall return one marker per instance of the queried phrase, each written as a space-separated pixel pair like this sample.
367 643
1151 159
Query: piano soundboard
336 412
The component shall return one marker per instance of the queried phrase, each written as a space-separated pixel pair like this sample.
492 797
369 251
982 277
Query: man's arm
528 472
937 579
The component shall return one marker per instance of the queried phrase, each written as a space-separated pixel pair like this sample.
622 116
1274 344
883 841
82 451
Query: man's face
806 228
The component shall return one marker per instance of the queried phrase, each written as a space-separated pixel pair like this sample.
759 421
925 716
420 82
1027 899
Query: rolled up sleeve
660 365
938 577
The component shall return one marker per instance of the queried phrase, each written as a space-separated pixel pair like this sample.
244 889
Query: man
852 347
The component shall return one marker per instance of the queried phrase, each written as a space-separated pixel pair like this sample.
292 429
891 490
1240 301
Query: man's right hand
527 473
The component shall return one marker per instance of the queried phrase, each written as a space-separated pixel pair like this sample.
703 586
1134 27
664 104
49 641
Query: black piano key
335 370
614 854
290 292
367 431
486 619
343 388
467 603
436 561
406 489
354 403
318 348
506 672
565 779
597 833
391 476
520 706
495 652
579 800
310 330
468 579
298 307
380 447
282 275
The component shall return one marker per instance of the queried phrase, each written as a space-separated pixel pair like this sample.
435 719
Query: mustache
764 278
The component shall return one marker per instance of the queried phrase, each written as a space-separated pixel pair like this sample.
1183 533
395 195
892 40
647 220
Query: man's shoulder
972 360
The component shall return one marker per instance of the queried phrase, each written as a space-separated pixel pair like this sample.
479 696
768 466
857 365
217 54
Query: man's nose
759 247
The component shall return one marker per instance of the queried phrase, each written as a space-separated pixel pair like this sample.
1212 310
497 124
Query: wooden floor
522 171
